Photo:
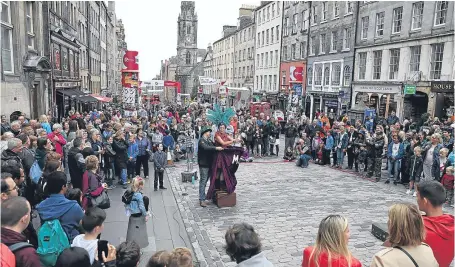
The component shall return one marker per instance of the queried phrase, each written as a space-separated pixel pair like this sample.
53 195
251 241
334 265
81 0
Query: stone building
122 46
294 52
25 67
223 56
82 30
112 71
209 91
405 58
269 20
103 48
94 47
330 56
189 57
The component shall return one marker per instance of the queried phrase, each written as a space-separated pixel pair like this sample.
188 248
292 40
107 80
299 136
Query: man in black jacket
205 158
76 163
352 158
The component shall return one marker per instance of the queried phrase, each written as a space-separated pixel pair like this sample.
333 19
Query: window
314 16
305 20
322 43
267 37
278 9
394 63
188 58
326 76
277 33
271 35
286 27
377 63
293 52
273 10
274 81
259 18
349 7
336 75
365 22
265 82
259 39
318 76
29 24
397 19
262 59
283 77
268 13
347 76
258 65
437 51
294 24
266 59
312 45
271 58
7 38
336 9
302 49
440 13
285 52
324 11
276 57
417 15
362 65
414 64
347 39
333 48
379 24
310 76
262 38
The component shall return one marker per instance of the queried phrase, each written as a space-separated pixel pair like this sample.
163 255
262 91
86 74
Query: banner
208 81
296 74
129 95
130 61
130 79
297 87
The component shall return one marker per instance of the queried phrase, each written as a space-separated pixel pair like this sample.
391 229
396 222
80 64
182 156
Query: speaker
379 230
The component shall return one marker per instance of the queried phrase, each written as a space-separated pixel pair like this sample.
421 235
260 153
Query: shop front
415 100
443 94
383 98
326 102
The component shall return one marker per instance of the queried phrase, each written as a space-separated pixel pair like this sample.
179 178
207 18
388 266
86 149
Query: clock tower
186 45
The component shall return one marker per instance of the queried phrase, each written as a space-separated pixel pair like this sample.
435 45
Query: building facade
405 58
330 56
122 46
25 67
103 46
94 47
223 54
111 45
294 53
82 31
268 18
209 91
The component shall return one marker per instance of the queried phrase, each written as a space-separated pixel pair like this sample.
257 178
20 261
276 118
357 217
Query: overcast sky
151 27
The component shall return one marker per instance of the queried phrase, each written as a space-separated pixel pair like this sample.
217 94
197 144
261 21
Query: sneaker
408 192
415 194
202 204
163 188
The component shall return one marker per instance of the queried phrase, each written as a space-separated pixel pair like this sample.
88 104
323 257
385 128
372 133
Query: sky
151 27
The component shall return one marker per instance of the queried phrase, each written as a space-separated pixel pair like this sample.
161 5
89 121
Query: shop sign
331 103
409 89
442 86
296 74
66 84
130 61
380 89
297 87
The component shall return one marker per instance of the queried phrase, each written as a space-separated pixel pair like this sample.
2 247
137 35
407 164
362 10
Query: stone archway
36 70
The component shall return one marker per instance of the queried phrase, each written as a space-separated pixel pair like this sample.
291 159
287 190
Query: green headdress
217 115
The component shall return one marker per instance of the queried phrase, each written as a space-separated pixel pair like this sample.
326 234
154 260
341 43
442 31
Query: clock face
188 39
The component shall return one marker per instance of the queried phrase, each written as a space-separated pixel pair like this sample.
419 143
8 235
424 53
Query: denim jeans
303 160
123 175
340 157
393 166
204 173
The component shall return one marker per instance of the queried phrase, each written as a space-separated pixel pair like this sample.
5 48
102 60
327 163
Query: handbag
102 201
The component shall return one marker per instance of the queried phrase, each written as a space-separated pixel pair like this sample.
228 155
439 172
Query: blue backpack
52 240
35 172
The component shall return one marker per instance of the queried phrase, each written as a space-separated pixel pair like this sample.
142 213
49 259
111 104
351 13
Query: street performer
205 158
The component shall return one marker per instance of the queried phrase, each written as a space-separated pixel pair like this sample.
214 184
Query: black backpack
41 192
127 196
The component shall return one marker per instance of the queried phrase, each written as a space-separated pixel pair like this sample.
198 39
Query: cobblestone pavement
285 205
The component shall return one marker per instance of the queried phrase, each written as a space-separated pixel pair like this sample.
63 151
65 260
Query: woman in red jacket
331 248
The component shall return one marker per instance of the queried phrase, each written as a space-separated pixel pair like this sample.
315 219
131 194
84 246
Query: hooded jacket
440 237
40 156
67 211
57 144
90 245
76 166
25 257
9 157
258 260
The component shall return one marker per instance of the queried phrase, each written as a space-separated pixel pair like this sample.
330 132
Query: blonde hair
445 150
417 148
91 162
449 169
405 225
136 183
437 136
331 239
160 258
43 118
402 135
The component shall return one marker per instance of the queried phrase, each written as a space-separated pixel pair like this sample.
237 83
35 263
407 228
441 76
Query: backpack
8 259
127 197
52 240
41 190
35 172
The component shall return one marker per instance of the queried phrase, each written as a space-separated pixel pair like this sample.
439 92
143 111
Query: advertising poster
130 61
296 74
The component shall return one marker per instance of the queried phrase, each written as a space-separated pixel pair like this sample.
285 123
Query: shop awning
71 92
101 98
87 99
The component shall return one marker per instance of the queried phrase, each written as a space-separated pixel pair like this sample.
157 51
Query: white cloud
151 27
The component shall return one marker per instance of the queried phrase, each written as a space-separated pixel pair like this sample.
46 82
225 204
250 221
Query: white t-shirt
395 149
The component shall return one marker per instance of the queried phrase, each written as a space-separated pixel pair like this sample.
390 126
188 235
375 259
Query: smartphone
102 246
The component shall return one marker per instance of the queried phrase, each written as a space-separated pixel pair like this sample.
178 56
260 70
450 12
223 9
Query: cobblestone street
285 205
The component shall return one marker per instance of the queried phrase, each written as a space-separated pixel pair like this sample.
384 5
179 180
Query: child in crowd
320 154
440 164
289 154
415 169
133 151
448 183
258 141
315 146
109 158
93 224
245 156
178 154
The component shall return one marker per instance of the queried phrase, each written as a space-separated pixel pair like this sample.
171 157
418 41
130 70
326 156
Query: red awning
102 98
